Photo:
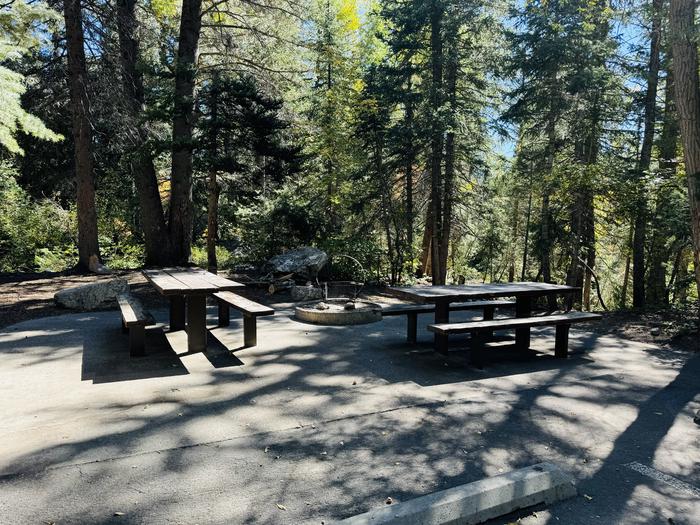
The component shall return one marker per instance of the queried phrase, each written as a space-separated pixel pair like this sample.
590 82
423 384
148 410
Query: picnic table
187 289
442 296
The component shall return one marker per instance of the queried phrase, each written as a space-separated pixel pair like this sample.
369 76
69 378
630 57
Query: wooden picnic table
442 296
187 289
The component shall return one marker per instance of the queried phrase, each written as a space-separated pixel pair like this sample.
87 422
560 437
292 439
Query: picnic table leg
177 313
412 327
488 316
196 323
224 319
523 308
476 348
250 337
137 338
561 343
442 315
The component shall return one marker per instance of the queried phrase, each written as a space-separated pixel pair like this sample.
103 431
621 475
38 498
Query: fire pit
338 312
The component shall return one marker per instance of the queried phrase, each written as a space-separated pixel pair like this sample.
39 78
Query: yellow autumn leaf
347 15
164 8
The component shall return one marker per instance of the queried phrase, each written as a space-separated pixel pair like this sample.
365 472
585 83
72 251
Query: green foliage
34 235
366 249
19 30
317 120
283 220
225 259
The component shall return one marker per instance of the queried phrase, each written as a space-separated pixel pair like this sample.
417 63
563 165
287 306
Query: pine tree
19 26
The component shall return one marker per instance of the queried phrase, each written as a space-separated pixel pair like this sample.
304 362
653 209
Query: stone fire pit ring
336 314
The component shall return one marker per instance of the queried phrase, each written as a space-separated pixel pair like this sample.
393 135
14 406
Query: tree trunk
657 289
212 184
545 241
528 215
180 222
628 262
513 237
589 249
687 95
640 223
212 220
410 158
155 233
449 179
424 267
88 245
436 140
680 288
583 213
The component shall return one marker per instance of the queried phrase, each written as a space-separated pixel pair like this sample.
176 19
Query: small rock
655 331
389 501
322 306
349 305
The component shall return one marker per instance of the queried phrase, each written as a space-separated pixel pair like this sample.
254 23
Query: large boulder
305 262
92 296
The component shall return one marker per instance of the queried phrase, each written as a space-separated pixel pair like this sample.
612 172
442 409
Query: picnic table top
188 281
432 294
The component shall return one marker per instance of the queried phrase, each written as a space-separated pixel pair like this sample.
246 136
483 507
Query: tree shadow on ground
106 358
403 442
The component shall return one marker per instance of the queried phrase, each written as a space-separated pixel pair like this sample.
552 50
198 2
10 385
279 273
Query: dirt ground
25 296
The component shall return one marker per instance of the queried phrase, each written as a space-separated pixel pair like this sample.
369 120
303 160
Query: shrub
34 235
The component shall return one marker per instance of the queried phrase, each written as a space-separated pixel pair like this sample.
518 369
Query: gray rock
655 331
305 262
306 293
92 296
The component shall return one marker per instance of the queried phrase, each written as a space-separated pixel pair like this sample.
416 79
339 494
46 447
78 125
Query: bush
34 235
270 225
224 258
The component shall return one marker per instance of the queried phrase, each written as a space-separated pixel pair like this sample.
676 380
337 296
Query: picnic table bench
481 330
411 312
250 310
134 321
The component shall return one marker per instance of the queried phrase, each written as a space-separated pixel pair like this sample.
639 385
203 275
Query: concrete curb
477 502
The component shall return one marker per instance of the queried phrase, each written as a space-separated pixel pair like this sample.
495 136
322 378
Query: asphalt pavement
316 424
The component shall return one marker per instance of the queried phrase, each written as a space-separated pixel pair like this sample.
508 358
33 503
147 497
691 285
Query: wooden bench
481 329
411 311
134 320
250 310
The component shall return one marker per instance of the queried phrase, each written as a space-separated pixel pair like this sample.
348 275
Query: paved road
320 423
